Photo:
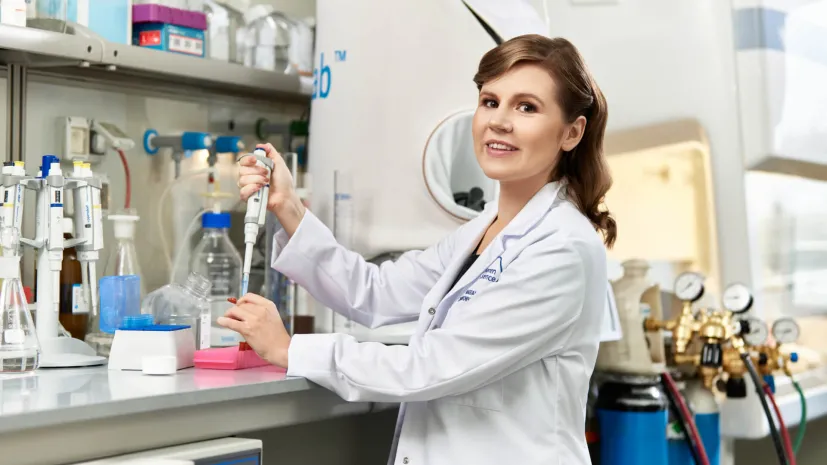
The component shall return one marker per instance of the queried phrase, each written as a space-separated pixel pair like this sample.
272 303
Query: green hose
802 425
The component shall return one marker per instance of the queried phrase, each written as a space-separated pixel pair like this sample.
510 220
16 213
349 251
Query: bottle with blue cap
216 258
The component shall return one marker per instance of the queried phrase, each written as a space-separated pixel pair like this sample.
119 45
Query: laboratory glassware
216 258
183 304
267 39
74 313
120 300
124 259
19 346
50 15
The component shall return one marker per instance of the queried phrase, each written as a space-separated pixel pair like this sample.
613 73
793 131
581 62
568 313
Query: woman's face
519 129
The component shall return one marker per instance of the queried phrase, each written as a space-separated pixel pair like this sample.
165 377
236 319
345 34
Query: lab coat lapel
494 256
464 249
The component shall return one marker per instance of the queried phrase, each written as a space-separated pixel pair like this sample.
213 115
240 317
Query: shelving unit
35 47
25 51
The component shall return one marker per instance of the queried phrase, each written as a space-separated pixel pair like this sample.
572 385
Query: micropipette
254 218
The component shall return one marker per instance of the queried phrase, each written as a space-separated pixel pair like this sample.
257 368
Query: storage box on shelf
68 56
169 29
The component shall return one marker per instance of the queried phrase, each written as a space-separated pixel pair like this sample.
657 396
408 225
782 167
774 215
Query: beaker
19 347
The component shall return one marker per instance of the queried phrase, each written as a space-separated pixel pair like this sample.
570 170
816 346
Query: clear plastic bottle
216 258
19 347
183 304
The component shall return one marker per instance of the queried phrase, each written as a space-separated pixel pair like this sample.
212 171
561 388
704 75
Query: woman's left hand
258 320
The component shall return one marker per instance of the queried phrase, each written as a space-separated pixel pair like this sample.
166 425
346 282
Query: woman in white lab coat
509 306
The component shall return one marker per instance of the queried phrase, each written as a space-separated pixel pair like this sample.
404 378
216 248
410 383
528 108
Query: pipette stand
56 351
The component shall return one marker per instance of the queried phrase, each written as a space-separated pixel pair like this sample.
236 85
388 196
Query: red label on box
149 38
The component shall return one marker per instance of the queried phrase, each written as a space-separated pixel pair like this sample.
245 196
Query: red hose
128 179
785 434
690 419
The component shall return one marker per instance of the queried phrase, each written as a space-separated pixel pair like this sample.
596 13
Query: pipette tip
245 281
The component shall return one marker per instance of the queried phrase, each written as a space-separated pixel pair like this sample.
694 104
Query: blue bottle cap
215 220
46 163
794 357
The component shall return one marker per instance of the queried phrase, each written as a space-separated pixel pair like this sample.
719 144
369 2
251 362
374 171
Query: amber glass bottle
73 309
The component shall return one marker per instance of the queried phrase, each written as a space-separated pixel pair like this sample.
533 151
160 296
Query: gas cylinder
707 418
637 353
632 412
702 404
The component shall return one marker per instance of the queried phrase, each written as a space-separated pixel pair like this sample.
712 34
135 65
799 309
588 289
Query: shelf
88 58
211 75
35 47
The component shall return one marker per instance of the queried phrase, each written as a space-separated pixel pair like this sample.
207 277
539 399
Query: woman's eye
527 107
489 103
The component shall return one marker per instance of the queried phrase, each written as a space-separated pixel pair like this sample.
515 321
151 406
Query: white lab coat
498 369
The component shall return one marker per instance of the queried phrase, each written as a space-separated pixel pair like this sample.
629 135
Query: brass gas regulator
767 357
689 288
716 331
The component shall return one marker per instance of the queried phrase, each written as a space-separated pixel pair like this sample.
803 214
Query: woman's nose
500 123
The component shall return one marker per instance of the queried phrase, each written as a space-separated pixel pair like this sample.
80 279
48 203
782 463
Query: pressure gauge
689 286
785 331
758 332
737 298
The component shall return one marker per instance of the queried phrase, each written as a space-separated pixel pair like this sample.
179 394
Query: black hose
776 436
684 422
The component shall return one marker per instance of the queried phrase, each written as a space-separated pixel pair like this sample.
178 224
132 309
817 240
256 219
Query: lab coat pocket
488 397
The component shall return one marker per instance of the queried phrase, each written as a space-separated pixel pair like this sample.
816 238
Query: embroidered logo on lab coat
491 274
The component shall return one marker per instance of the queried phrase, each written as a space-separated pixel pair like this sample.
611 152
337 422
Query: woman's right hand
283 200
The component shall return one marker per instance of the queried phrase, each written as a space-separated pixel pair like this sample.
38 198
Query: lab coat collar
525 221
532 213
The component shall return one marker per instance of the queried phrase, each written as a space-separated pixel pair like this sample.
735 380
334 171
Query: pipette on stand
88 218
56 351
254 218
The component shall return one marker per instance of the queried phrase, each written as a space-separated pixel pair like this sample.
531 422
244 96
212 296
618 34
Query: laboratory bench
58 416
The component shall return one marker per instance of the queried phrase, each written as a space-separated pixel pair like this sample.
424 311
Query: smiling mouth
499 146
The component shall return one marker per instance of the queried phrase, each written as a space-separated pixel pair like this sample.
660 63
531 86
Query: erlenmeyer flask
124 260
19 347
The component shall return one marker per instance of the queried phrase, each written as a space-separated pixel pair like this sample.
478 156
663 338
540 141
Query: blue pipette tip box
159 328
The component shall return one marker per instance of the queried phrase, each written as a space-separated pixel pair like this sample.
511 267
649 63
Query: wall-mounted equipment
181 145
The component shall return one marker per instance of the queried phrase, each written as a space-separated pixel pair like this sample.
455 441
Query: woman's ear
574 134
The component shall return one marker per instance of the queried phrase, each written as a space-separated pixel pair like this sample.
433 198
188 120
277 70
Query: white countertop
55 396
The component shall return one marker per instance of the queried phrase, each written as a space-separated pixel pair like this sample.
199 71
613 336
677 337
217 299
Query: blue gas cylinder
632 413
705 410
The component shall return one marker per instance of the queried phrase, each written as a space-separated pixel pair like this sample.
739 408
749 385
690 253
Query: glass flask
124 260
19 347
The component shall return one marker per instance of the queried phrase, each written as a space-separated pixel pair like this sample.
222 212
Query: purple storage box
152 13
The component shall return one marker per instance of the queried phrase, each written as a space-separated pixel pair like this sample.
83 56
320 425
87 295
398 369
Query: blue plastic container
120 297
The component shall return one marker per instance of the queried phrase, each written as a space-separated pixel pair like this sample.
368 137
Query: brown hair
584 168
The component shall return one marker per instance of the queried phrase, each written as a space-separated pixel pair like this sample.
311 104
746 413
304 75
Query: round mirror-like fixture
453 177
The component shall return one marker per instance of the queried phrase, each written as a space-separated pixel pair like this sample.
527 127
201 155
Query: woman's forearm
290 214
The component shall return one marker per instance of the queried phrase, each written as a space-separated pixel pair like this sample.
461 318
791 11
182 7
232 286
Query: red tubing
785 434
128 179
690 419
